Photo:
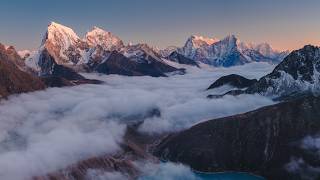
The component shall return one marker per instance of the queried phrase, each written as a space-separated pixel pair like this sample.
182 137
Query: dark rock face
12 79
263 141
119 64
181 59
55 75
232 59
65 72
50 68
233 80
56 82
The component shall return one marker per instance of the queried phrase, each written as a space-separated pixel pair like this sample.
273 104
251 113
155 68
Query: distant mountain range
91 53
62 55
266 141
226 52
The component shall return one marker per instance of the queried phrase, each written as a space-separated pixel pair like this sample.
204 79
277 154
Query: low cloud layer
44 131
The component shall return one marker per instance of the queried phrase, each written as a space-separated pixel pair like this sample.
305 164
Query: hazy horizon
285 25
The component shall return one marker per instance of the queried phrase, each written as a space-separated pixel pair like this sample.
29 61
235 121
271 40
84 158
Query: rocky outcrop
264 142
55 75
117 63
134 148
297 73
233 80
181 59
49 67
12 79
52 81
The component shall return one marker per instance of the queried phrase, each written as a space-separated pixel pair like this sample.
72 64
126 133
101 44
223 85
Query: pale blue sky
285 24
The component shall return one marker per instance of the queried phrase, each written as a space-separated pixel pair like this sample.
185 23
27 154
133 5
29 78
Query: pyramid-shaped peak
61 33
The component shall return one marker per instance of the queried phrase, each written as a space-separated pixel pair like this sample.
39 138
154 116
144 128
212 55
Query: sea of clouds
44 131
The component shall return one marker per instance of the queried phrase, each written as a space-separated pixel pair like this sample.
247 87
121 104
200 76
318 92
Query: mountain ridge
85 54
68 48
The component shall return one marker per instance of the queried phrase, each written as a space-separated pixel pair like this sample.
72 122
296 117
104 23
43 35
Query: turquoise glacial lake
228 176
171 171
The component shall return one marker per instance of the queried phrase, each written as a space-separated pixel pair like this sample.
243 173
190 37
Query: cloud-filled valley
44 131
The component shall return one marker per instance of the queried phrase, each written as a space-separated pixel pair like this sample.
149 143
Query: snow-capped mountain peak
58 33
195 43
298 73
229 51
105 39
199 41
228 43
63 44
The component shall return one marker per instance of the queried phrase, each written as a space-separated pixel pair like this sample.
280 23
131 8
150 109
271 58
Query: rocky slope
267 141
49 67
56 75
133 149
297 75
117 63
12 79
181 59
